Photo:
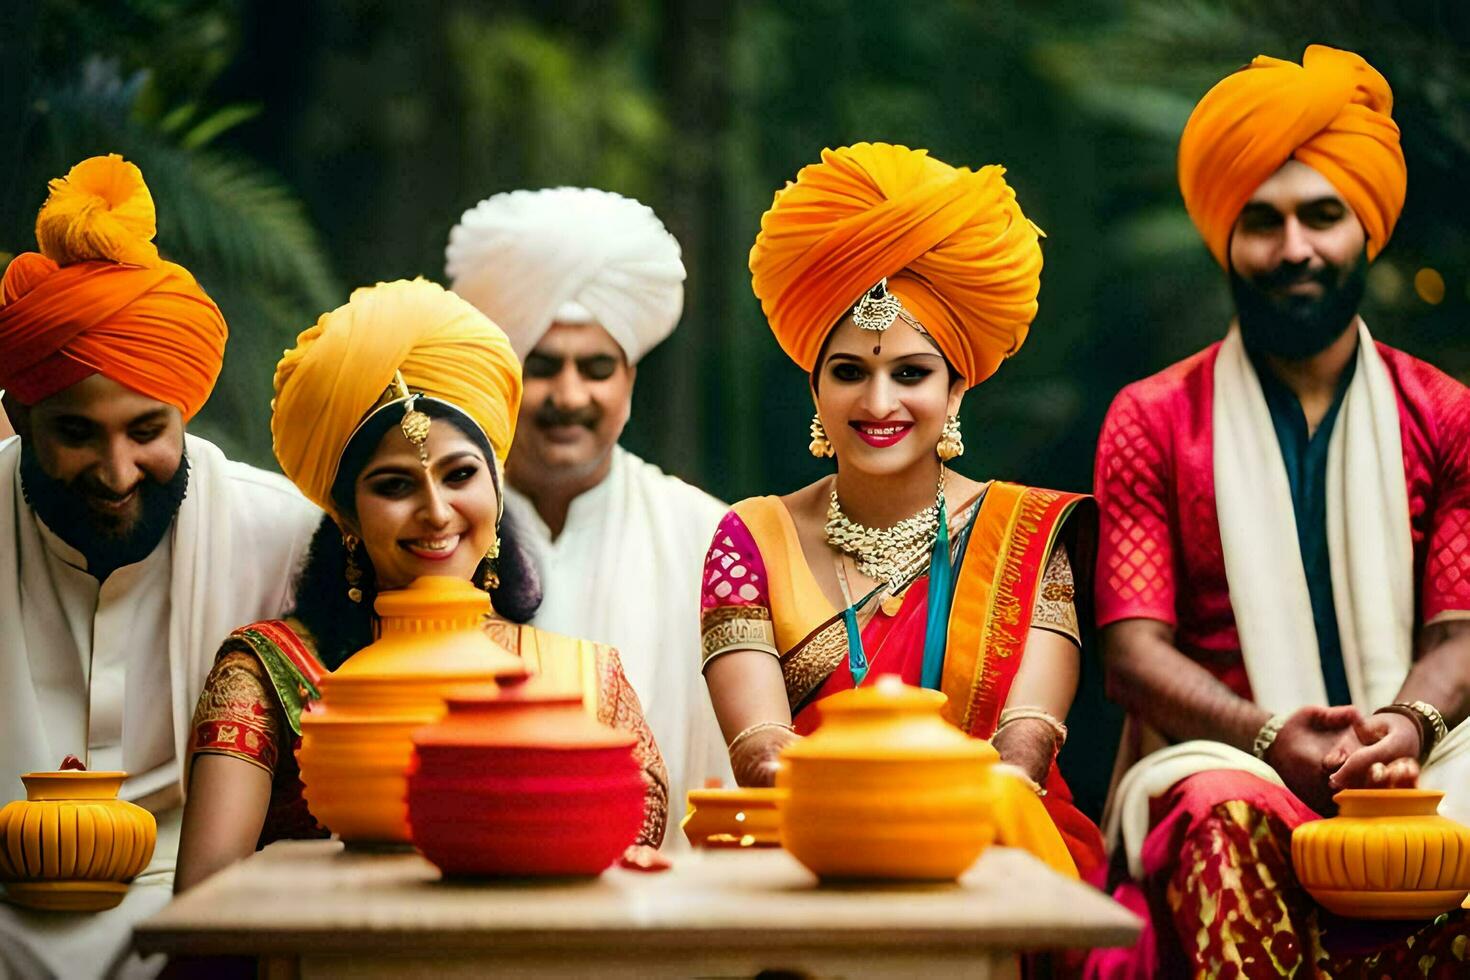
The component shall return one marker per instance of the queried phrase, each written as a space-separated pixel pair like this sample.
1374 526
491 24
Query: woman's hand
1028 744
754 754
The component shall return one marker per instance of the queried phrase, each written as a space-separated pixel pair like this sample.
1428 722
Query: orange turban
97 299
338 370
1333 112
952 242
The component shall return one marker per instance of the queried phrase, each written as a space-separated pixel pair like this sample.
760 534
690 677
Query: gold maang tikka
415 424
876 311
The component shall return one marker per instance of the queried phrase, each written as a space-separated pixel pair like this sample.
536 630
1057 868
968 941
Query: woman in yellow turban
898 282
393 414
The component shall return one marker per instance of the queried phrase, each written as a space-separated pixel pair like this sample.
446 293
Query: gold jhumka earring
353 572
950 444
820 446
490 580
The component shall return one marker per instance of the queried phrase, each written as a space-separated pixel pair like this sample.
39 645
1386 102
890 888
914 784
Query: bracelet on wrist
1266 736
759 726
1432 727
1058 728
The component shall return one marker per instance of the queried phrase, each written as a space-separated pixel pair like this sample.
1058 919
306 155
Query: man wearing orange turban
898 282
132 548
1262 678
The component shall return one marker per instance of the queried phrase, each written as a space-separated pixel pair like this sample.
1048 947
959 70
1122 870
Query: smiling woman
898 282
393 414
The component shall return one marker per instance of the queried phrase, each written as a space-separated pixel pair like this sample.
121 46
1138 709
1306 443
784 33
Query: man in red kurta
1284 577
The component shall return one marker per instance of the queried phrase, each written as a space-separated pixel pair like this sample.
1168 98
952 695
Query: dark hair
340 626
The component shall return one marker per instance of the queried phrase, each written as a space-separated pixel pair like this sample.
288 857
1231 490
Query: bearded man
585 283
1282 587
131 549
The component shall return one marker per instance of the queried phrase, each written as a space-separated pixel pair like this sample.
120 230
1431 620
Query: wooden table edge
294 942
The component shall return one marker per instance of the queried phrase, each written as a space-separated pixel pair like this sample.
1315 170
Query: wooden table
313 909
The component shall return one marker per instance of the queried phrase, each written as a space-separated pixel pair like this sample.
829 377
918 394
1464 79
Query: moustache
549 416
90 488
1291 275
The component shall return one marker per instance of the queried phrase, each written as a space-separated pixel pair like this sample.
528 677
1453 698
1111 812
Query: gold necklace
886 554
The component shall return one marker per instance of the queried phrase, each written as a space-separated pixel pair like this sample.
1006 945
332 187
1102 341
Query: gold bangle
757 727
1432 727
1035 714
1266 735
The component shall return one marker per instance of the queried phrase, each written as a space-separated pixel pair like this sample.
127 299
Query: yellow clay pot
741 817
886 788
71 844
356 741
1388 854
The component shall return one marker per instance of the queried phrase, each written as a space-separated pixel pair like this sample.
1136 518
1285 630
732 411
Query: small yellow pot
71 844
886 788
741 817
1387 855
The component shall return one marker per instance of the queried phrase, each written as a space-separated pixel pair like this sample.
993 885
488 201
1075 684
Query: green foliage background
300 148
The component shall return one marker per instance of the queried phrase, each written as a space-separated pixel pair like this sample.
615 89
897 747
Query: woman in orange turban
898 282
393 414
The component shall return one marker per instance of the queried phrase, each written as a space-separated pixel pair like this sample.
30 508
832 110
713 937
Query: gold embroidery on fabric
813 661
1055 607
1004 613
618 706
237 702
727 628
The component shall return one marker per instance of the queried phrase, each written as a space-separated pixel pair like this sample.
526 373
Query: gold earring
490 580
353 572
820 445
950 444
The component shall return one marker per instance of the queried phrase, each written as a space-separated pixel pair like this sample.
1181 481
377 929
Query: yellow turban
952 242
338 370
1333 112
97 299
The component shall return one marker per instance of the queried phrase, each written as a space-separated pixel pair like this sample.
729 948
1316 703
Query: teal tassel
941 596
857 660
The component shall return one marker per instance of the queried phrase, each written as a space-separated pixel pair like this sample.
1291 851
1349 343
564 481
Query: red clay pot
522 781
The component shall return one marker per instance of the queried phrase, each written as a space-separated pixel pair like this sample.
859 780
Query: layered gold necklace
886 554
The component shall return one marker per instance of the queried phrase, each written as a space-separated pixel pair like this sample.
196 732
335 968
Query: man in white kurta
130 550
586 282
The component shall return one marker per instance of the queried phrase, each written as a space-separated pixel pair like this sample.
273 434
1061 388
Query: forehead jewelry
876 311
415 424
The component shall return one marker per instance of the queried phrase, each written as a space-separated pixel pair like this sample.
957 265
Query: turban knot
340 367
529 259
1333 112
97 299
952 242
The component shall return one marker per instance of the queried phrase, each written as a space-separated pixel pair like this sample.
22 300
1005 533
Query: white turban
528 259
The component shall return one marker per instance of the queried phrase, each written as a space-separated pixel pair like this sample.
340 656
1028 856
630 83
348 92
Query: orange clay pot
1387 855
71 844
886 788
356 741
741 817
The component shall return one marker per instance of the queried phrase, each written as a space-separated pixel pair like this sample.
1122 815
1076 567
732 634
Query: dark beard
1295 328
62 506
